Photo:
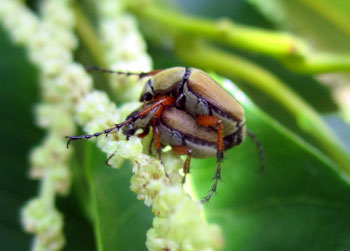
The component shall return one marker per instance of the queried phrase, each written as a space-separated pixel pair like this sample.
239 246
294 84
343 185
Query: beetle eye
146 97
129 130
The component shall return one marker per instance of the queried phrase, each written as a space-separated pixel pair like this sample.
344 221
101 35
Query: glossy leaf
120 221
297 203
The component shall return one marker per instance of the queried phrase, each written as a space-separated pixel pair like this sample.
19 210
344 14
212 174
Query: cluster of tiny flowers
46 222
124 46
178 224
341 93
95 112
339 85
343 97
49 40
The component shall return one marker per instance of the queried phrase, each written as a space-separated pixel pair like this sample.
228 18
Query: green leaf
120 220
299 202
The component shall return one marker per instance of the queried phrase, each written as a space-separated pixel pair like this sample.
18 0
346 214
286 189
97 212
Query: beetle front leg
108 159
184 150
156 136
144 133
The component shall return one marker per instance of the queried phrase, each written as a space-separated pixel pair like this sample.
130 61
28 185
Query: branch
290 49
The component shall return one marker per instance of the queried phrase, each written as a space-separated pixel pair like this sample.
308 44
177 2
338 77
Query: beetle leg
182 150
206 120
144 133
261 150
213 189
108 159
168 100
157 137
150 146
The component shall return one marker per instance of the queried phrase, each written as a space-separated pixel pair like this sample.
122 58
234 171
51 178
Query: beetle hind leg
207 120
213 189
260 148
184 150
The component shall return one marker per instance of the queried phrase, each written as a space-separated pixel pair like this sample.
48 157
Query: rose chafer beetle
199 99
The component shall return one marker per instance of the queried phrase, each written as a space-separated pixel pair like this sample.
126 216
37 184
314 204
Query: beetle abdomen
187 125
235 138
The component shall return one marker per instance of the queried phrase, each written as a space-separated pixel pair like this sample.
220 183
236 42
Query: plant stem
291 50
204 56
88 35
253 39
320 62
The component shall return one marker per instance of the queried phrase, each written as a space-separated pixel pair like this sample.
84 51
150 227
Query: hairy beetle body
187 110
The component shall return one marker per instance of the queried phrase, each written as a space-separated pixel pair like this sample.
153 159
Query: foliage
291 58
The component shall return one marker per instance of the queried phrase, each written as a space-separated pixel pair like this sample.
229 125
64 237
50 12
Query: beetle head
148 92
129 130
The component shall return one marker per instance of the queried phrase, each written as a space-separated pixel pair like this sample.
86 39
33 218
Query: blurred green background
300 201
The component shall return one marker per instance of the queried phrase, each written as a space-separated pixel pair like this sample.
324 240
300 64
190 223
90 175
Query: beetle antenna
140 75
162 102
261 149
89 136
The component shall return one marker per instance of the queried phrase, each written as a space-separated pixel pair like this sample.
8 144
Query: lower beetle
181 131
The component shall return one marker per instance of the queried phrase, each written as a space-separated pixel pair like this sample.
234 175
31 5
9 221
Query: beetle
199 99
196 93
